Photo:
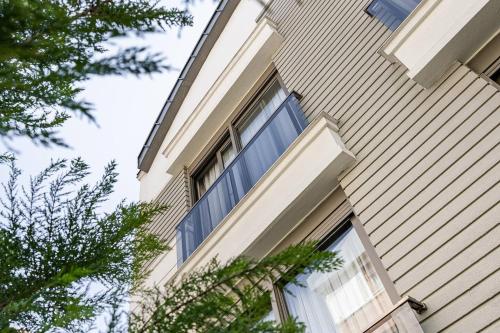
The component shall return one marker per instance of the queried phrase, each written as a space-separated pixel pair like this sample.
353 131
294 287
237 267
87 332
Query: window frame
351 221
230 135
214 155
245 113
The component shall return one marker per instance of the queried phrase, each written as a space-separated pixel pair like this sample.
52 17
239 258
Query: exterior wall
237 30
174 190
425 185
178 198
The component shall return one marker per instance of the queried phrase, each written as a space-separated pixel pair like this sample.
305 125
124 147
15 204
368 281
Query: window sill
439 33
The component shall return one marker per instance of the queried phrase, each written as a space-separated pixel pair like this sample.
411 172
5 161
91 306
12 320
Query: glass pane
207 178
401 320
347 300
228 154
392 12
261 111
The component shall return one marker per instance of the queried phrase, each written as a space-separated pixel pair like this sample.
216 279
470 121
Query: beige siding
425 185
176 196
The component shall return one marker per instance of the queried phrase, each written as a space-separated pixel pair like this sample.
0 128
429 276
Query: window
347 300
391 12
239 135
260 111
213 167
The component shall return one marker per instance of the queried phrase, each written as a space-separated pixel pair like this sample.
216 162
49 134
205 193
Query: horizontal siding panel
478 319
391 215
477 298
377 109
432 235
426 140
320 222
406 136
494 327
481 237
431 159
337 51
436 198
175 196
426 181
450 281
405 118
383 122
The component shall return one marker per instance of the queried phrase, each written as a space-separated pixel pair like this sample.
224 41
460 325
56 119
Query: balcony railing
401 318
268 144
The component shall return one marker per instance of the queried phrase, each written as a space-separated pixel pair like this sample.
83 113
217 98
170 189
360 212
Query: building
370 125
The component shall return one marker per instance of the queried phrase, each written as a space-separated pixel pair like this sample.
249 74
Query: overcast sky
125 108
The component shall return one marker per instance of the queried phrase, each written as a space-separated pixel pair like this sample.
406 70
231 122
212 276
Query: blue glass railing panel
392 12
268 144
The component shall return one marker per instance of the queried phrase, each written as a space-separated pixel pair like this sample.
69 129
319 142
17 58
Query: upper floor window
342 301
214 166
260 111
238 135
391 12
250 146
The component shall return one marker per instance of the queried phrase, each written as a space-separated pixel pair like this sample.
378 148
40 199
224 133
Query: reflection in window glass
342 301
228 154
207 177
392 12
261 111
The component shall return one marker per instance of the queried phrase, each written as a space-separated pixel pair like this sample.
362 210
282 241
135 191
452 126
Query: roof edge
205 43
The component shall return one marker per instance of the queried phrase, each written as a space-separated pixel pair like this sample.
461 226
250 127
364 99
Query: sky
125 109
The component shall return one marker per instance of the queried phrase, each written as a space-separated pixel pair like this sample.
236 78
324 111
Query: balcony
268 144
401 318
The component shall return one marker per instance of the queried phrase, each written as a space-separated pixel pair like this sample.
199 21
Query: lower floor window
346 300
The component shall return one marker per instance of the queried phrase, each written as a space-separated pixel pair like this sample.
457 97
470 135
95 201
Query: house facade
370 126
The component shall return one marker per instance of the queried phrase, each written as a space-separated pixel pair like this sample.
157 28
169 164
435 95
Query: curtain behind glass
343 301
228 154
261 111
208 177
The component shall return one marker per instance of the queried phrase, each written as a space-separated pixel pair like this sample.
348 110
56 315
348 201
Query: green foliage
48 47
229 298
54 244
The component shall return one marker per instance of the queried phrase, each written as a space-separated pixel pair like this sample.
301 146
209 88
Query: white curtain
347 300
261 112
208 178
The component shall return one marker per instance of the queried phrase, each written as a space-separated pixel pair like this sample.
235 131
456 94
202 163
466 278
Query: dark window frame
230 134
214 156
